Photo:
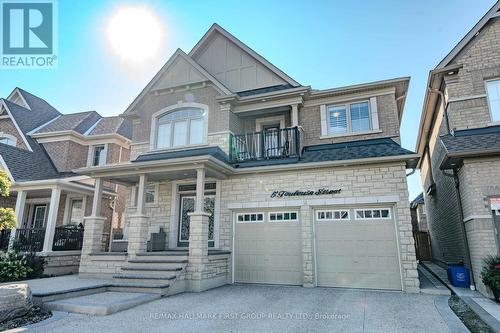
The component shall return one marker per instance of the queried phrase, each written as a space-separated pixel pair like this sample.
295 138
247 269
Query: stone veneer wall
359 184
61 263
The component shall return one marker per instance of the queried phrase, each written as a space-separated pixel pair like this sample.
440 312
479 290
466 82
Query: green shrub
36 263
13 267
491 271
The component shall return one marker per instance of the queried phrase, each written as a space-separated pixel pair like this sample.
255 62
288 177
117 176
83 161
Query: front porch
50 223
171 236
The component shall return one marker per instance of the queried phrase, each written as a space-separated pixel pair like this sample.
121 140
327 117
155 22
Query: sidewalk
485 308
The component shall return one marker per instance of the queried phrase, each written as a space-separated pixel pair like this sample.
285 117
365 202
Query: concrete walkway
484 307
249 308
61 284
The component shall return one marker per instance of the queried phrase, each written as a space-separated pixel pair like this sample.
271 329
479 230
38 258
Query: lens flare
135 34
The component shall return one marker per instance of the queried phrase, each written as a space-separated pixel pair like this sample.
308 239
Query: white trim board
16 125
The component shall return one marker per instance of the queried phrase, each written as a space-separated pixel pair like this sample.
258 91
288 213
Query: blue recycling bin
459 276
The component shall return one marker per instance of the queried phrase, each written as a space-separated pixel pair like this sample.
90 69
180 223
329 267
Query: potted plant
491 275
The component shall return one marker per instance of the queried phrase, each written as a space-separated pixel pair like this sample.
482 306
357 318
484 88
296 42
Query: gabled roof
492 13
109 125
170 62
215 28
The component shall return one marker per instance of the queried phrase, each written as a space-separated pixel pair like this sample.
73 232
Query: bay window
181 128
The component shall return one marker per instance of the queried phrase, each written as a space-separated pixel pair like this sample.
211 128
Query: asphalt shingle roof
372 148
78 122
472 139
110 125
212 151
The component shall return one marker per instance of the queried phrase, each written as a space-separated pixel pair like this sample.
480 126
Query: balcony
268 144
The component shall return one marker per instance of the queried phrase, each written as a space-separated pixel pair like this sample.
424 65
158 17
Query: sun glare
135 34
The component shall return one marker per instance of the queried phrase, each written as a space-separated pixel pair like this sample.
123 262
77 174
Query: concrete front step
150 280
102 304
161 260
158 287
164 253
176 268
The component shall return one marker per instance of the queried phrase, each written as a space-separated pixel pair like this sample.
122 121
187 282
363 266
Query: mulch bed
35 315
470 319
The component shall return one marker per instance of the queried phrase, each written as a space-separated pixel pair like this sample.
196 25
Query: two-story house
238 173
459 141
39 148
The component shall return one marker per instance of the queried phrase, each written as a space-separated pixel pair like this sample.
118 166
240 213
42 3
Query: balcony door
38 216
270 135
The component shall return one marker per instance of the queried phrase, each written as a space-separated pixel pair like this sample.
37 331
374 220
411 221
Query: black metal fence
4 239
68 239
30 239
266 144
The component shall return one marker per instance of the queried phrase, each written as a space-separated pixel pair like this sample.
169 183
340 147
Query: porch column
92 236
295 115
198 236
138 222
19 210
50 228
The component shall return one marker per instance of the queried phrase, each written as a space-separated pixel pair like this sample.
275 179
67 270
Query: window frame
333 211
134 192
389 216
178 108
250 221
283 220
490 109
347 106
12 138
102 156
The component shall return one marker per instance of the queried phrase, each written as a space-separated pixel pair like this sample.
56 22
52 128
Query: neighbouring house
418 217
459 144
39 149
238 173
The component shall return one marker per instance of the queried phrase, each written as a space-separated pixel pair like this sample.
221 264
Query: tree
7 215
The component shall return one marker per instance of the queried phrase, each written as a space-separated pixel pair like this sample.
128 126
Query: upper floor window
348 118
181 128
493 91
7 141
99 155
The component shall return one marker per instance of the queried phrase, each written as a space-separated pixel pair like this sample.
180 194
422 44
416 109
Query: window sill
349 134
147 205
160 150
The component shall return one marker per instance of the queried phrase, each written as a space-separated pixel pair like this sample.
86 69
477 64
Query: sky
324 44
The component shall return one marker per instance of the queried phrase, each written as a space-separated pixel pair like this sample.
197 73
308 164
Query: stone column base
198 245
92 234
137 234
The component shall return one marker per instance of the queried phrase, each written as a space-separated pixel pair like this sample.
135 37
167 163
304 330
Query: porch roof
165 165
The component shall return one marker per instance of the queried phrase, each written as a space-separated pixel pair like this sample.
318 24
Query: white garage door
267 248
357 248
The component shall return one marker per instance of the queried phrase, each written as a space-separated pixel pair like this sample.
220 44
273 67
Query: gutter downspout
445 108
462 225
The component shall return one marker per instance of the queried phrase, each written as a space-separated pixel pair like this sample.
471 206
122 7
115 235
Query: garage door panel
268 252
357 254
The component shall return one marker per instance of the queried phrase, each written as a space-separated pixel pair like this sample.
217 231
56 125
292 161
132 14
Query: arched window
184 127
8 139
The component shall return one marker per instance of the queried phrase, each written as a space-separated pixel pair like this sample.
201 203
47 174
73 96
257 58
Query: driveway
250 308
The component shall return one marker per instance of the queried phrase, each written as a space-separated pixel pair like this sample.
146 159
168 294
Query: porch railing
4 239
68 239
30 239
266 144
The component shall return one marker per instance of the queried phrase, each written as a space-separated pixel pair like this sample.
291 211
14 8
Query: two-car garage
354 248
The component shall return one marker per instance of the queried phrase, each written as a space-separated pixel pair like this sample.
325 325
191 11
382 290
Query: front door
187 204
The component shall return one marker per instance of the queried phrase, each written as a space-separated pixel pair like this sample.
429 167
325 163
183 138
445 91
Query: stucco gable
234 64
179 70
